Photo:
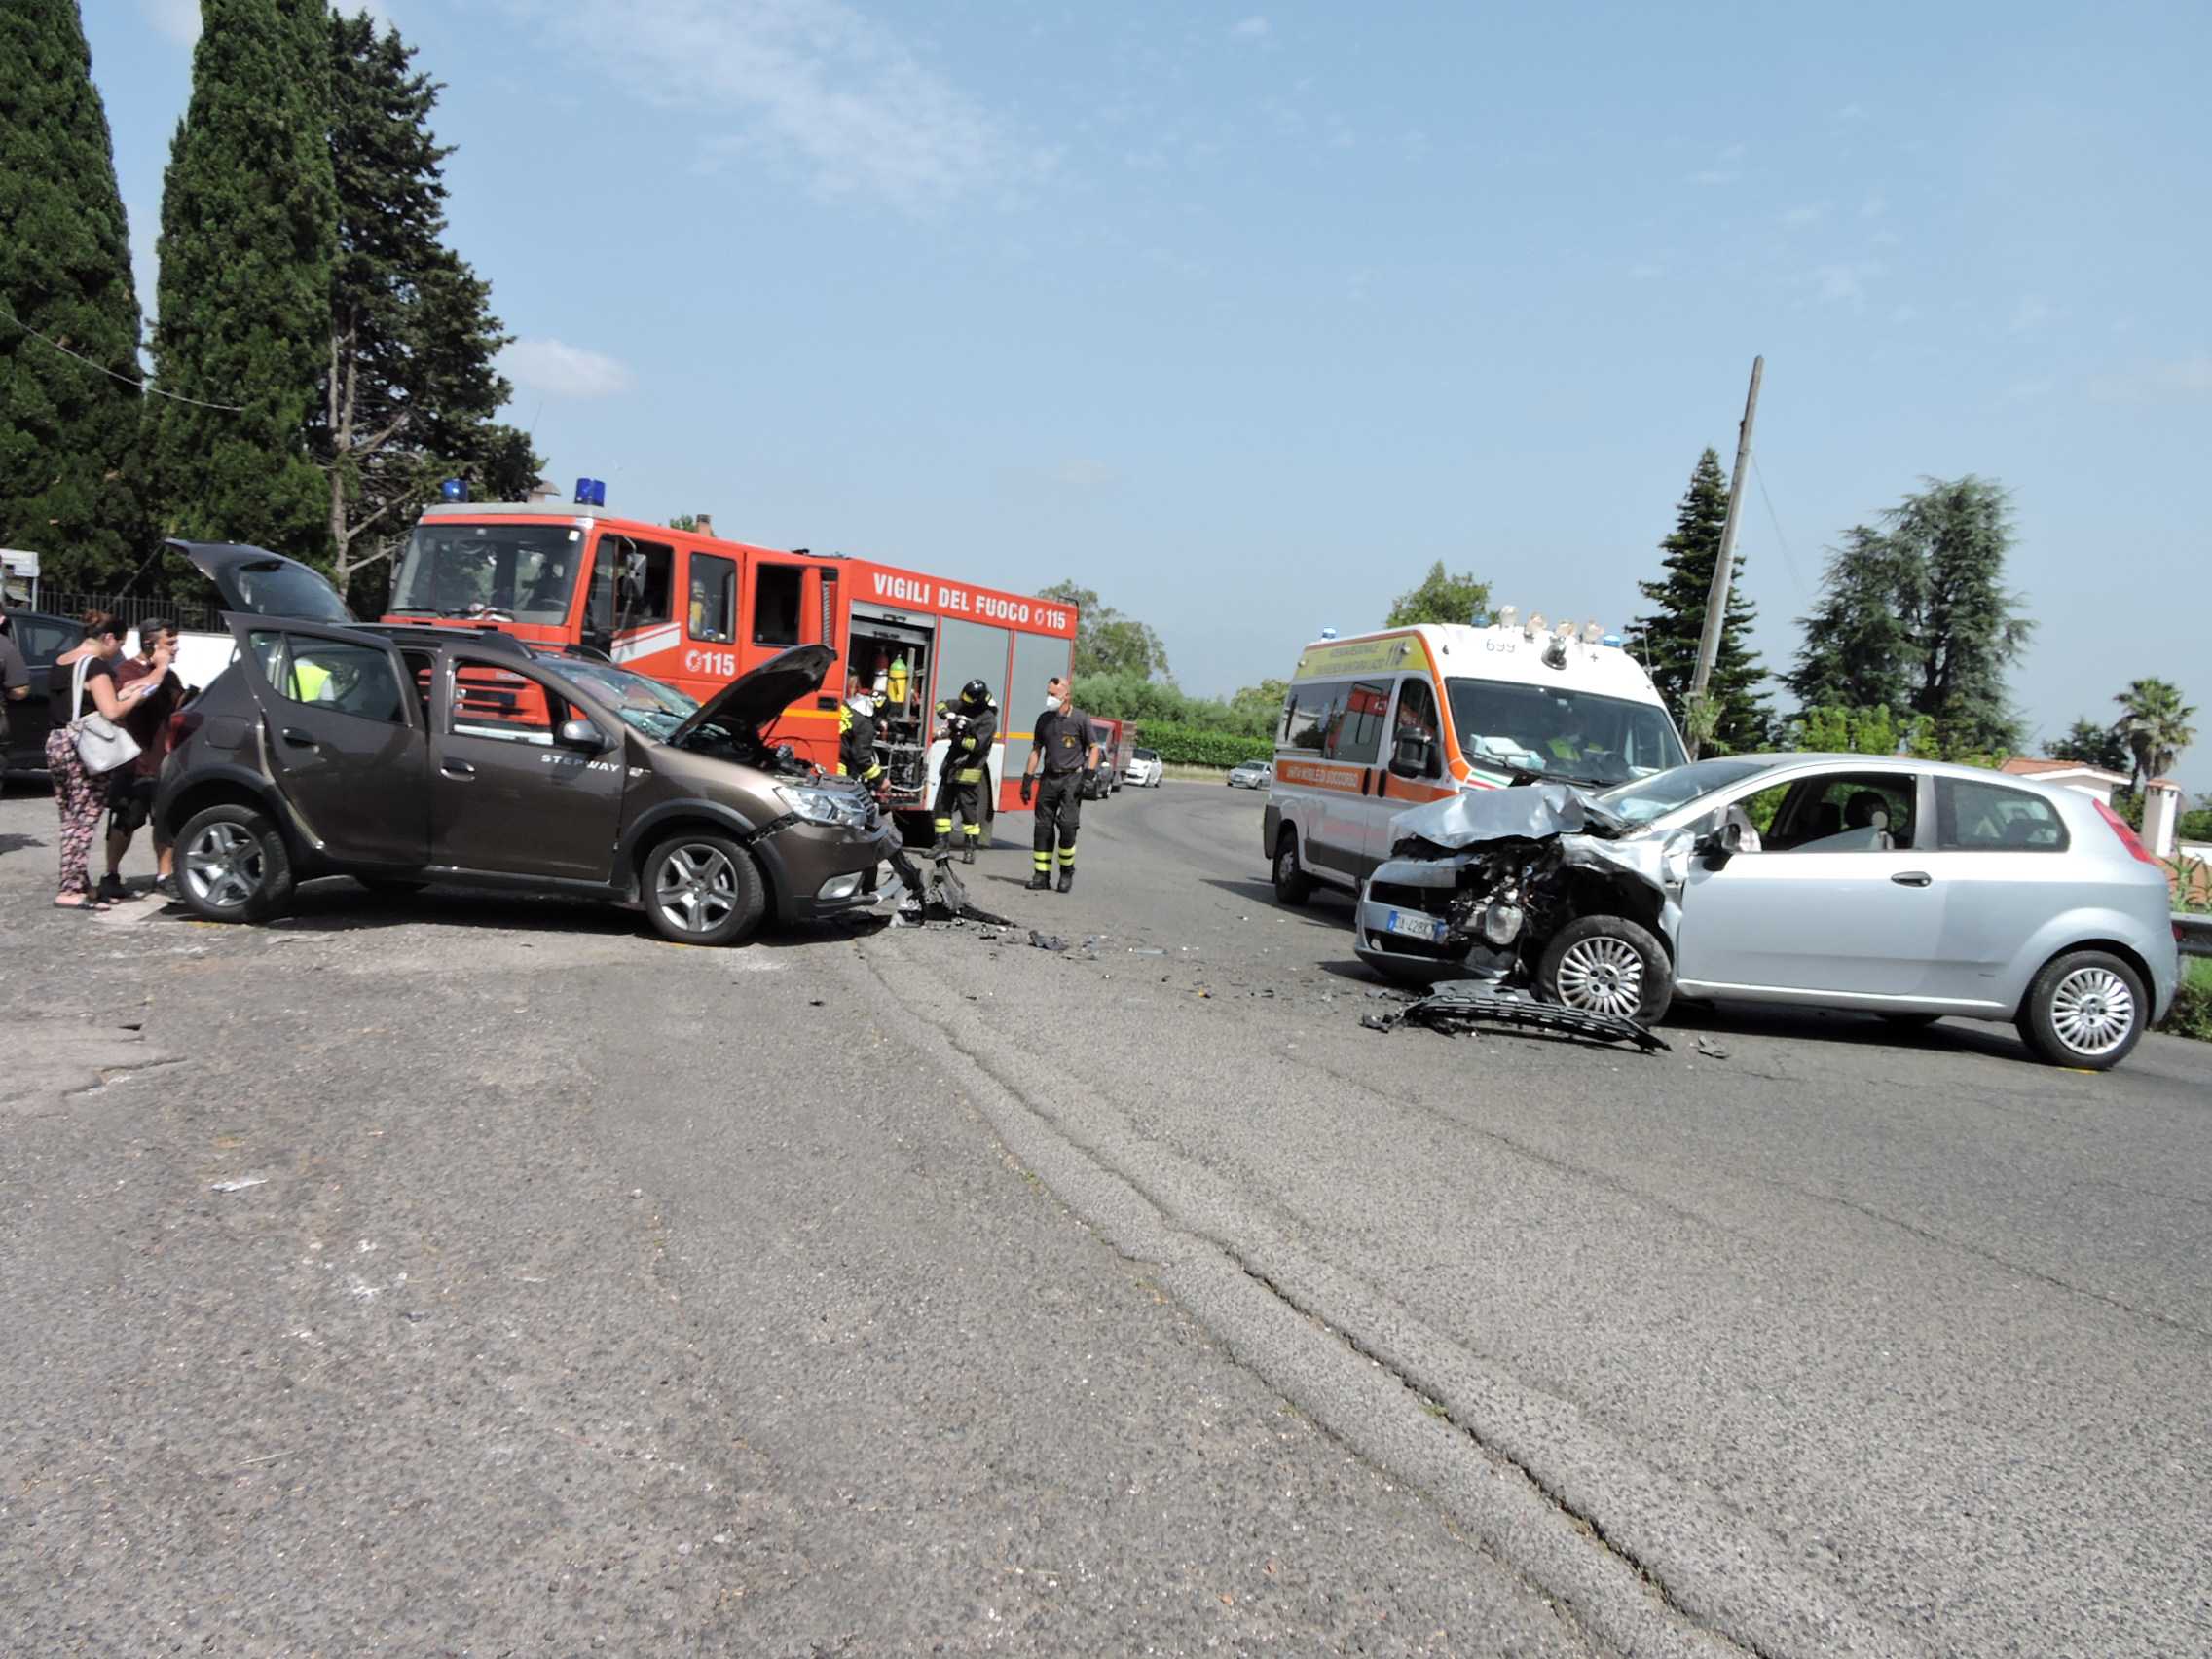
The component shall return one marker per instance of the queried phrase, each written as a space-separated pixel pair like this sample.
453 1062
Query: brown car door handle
293 734
1912 878
458 769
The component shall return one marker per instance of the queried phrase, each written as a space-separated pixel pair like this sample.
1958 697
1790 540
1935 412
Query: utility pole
1724 568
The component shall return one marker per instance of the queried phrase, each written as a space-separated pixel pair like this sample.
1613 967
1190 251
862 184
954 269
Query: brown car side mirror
581 734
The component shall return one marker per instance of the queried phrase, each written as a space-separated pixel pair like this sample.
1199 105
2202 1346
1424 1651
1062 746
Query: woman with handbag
88 742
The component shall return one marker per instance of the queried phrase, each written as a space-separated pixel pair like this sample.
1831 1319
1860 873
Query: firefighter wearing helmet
971 724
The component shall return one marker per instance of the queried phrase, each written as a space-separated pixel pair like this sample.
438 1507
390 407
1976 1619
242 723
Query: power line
138 386
1789 563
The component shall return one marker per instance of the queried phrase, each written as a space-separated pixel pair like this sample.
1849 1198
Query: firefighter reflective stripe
1043 862
972 775
1067 855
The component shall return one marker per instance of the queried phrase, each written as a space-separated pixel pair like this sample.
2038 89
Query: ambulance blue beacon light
455 490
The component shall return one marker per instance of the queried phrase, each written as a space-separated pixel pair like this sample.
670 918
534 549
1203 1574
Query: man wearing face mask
1063 748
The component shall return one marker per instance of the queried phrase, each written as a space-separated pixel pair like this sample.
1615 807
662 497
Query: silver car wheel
2092 1009
223 867
1602 975
697 889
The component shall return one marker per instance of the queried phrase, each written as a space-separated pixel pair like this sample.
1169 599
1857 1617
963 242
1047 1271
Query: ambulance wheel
703 889
1293 886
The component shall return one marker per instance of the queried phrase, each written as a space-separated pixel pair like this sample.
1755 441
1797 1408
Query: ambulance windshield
502 572
1551 732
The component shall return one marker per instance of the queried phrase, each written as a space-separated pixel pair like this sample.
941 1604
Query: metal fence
194 616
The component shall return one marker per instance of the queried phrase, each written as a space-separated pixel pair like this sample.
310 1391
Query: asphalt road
915 1290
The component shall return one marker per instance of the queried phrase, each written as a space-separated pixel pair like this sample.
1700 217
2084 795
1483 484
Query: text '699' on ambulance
1376 724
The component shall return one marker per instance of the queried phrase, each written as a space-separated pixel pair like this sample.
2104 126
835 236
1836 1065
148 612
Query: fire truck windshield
518 572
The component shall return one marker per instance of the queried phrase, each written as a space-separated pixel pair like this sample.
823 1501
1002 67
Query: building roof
2021 766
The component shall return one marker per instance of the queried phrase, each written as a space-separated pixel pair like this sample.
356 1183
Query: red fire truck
694 611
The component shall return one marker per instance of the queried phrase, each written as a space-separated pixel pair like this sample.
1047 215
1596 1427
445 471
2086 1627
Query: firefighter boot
1067 868
1042 876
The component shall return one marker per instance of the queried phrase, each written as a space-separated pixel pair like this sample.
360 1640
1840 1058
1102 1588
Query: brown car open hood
756 697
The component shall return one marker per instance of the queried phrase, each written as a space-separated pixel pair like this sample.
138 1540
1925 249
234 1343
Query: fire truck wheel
703 889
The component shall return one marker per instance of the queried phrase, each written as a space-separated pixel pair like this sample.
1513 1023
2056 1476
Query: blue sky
1244 316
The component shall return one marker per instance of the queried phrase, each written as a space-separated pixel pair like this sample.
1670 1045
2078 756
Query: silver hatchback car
1904 888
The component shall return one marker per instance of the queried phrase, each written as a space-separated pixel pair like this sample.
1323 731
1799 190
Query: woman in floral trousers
82 795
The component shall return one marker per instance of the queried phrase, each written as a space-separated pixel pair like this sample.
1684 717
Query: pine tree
1915 616
408 389
1668 641
67 427
1862 647
249 222
1971 627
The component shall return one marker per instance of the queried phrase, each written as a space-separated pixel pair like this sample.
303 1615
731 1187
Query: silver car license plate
1414 925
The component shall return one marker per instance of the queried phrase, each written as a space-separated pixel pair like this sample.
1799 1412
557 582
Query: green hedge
1194 745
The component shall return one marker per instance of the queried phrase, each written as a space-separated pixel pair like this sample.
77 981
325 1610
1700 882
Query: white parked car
1251 775
1144 769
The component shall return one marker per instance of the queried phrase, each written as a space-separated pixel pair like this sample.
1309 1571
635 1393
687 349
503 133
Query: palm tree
2154 723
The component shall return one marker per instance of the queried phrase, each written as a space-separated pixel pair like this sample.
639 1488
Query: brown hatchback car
408 755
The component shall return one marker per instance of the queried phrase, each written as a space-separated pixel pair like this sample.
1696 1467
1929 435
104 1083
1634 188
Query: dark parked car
404 756
41 639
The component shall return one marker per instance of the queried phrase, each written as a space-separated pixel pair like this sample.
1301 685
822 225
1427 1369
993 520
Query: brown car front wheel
703 889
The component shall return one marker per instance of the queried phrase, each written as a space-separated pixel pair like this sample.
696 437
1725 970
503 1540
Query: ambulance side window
775 604
714 597
1357 735
1417 719
1310 711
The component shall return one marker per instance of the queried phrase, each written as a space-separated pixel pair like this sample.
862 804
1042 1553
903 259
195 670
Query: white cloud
566 373
2155 382
174 21
1252 29
1847 283
816 87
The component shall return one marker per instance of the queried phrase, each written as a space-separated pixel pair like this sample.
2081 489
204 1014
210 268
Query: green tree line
1906 650
321 358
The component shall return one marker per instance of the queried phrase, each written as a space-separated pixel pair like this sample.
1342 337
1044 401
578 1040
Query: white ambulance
1385 721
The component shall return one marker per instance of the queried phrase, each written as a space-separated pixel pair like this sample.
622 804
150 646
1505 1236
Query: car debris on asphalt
1458 1007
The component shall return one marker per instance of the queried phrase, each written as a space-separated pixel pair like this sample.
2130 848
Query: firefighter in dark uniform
856 735
971 722
1064 748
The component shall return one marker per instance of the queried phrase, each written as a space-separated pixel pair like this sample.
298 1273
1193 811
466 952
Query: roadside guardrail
2196 933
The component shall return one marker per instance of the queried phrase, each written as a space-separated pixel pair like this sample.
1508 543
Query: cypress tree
1669 638
408 387
249 222
67 427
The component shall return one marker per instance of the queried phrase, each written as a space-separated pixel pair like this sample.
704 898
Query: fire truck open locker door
893 652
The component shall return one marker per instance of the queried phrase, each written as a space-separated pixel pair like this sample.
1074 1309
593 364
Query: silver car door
1827 906
2001 856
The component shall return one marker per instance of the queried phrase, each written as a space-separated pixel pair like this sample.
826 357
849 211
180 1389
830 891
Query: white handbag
101 745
